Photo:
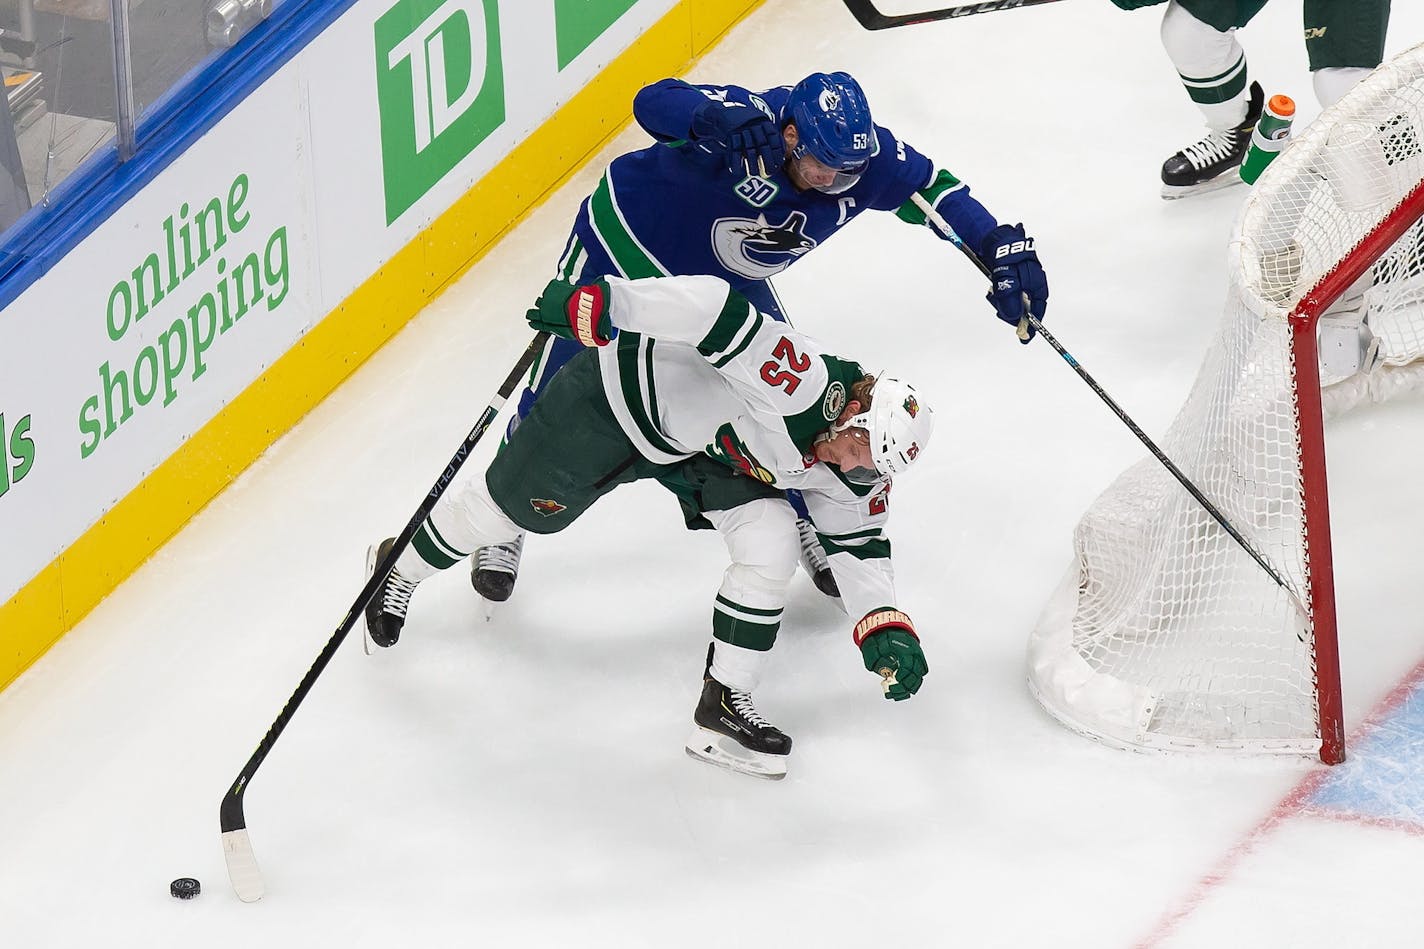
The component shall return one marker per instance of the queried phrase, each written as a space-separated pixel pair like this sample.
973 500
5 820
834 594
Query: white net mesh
1165 633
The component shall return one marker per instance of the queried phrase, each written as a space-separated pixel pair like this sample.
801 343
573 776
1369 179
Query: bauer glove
745 134
1017 276
574 312
892 651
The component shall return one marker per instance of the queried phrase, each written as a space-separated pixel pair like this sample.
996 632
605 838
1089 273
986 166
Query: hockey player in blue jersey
741 185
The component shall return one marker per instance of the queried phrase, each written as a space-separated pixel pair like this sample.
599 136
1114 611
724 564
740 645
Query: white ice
522 782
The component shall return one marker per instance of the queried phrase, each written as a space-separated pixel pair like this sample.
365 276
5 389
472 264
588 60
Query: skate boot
1212 162
813 560
494 569
385 613
731 734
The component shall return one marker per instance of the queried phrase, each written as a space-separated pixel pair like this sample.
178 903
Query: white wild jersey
695 368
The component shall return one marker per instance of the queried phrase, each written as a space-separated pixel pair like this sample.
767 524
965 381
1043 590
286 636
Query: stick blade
242 866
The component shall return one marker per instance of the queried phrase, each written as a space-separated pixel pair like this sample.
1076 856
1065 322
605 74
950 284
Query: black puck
185 888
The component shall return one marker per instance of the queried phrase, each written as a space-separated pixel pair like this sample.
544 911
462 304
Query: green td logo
440 87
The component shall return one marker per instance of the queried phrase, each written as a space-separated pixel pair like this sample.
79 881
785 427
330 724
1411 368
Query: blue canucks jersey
675 209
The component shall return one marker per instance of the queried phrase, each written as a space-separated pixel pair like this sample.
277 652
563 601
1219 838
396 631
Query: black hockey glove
891 650
577 313
1017 275
750 140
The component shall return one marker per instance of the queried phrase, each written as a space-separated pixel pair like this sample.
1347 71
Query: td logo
440 90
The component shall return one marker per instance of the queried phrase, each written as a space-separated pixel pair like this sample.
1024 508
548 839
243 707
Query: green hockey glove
891 649
1134 4
573 312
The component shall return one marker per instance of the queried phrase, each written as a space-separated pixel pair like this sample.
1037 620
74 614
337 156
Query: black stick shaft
1166 462
872 19
1030 320
231 811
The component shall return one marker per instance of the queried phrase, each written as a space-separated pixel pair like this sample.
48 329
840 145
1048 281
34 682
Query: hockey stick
1030 320
237 848
873 19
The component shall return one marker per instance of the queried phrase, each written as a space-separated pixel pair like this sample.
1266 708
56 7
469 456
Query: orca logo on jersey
757 248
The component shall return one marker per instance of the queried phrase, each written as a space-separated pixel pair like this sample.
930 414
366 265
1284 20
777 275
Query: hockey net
1165 634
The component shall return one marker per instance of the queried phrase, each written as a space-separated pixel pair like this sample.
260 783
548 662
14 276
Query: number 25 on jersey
796 363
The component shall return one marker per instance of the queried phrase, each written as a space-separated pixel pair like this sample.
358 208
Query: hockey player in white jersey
741 185
686 382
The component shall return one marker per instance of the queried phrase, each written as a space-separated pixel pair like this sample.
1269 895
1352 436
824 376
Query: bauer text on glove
891 649
1017 276
574 312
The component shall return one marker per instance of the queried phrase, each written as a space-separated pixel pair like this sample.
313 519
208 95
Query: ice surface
522 782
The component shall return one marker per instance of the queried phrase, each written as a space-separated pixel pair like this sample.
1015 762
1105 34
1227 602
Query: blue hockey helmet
833 124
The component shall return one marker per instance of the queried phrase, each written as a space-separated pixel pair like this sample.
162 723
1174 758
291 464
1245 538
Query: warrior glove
891 649
573 312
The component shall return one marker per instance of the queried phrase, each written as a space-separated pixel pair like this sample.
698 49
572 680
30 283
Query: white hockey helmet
900 425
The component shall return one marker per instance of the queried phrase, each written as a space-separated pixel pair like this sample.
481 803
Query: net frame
1338 210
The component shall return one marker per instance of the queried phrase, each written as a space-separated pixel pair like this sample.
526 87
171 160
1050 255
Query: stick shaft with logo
939 222
872 19
237 848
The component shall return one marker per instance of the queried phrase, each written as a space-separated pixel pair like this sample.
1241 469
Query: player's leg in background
581 262
1200 40
569 452
1345 41
494 568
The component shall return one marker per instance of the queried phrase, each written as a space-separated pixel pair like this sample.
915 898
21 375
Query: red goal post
1165 634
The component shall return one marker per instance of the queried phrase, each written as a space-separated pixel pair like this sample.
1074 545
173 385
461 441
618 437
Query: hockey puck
185 888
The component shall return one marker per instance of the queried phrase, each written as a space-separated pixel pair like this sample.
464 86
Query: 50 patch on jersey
758 192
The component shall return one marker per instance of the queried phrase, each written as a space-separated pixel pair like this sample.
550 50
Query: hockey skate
494 569
813 560
385 613
731 734
1211 163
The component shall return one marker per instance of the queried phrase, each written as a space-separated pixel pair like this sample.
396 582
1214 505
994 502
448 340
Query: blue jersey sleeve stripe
618 240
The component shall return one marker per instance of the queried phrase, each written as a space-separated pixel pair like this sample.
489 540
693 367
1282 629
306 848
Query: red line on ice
1292 805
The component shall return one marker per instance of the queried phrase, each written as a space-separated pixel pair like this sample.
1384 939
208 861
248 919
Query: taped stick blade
242 866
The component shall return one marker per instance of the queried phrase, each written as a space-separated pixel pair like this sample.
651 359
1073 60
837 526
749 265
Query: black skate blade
1226 179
